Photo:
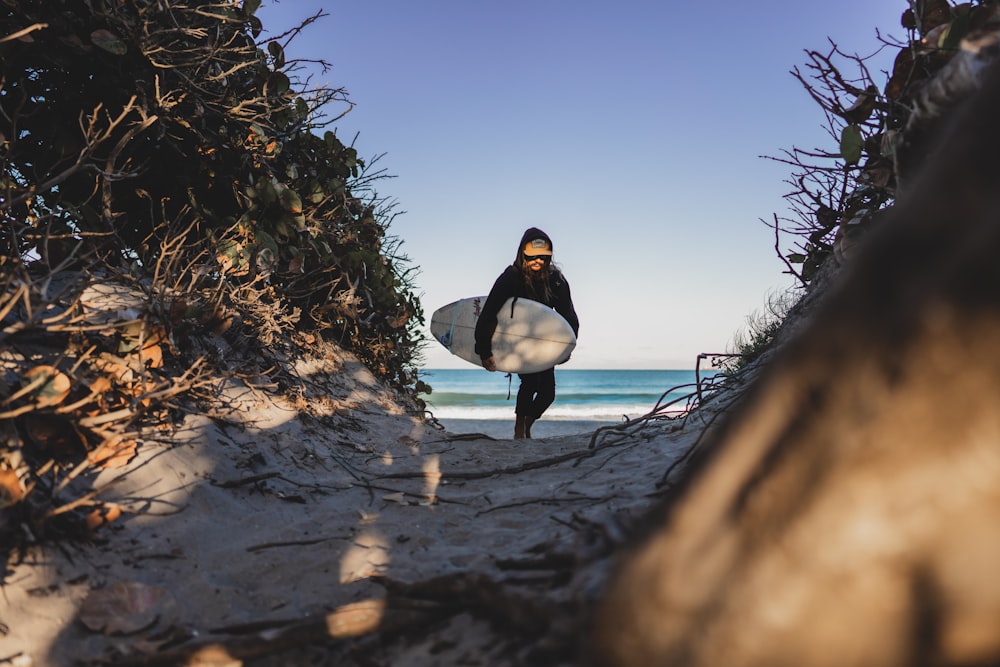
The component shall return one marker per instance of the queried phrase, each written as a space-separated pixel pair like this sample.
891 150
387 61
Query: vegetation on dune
159 151
839 193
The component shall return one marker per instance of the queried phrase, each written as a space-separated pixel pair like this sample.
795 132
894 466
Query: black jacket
511 284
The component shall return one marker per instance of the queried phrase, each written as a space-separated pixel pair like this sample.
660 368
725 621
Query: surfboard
529 337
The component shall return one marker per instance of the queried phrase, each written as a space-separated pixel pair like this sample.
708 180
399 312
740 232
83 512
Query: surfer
531 276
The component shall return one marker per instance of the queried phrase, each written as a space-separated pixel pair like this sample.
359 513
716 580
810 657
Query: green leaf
332 141
851 144
268 192
957 29
283 231
277 53
321 247
796 258
316 194
232 252
278 84
296 220
290 200
251 6
265 240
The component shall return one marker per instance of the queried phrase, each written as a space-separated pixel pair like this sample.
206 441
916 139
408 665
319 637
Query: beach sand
271 521
541 429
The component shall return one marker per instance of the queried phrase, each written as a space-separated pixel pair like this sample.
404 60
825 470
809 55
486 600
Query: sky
634 132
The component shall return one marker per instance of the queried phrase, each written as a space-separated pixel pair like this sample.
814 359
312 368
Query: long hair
538 284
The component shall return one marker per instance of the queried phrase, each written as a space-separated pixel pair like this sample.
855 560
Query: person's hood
531 234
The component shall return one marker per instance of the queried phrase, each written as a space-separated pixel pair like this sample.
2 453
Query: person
531 276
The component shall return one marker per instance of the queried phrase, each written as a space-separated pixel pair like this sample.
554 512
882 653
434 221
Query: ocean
476 401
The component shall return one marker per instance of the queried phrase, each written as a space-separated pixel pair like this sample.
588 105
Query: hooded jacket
511 284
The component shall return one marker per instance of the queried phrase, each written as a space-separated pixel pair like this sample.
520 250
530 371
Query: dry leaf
113 455
100 385
49 385
214 655
141 389
114 366
11 491
151 356
103 515
135 333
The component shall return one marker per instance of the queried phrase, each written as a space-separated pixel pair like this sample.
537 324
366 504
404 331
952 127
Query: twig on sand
233 483
294 543
406 607
483 474
462 436
546 501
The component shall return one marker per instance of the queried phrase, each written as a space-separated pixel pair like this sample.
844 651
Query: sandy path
271 513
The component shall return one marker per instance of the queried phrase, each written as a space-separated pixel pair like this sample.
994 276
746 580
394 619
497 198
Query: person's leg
545 393
524 409
528 421
535 395
520 427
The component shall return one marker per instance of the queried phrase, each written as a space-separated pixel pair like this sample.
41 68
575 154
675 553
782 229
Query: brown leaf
151 356
902 72
863 106
101 385
113 454
49 386
139 332
103 515
11 491
114 366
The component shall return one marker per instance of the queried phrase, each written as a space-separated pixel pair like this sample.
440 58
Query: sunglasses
531 258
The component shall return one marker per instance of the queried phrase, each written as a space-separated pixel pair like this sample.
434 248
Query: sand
542 429
270 521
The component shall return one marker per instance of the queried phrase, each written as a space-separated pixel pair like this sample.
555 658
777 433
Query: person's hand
490 364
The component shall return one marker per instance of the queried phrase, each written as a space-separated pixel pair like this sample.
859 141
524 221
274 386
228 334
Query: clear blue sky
629 130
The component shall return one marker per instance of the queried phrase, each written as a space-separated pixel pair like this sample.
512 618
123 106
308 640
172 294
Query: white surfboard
529 337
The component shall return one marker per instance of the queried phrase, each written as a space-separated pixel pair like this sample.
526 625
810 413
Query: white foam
602 413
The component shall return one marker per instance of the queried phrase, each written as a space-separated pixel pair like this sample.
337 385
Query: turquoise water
581 395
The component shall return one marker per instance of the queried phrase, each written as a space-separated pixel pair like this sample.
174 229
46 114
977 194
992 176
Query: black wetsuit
537 390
